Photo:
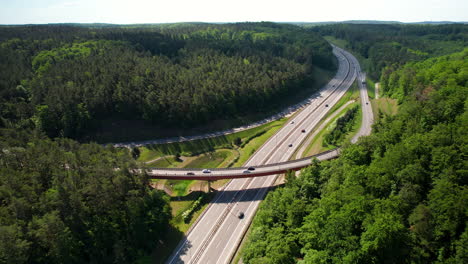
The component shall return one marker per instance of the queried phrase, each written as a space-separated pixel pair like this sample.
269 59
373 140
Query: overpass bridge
240 172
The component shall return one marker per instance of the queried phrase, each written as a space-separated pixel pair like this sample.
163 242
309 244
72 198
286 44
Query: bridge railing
279 164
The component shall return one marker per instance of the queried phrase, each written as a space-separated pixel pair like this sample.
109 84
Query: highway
367 115
218 231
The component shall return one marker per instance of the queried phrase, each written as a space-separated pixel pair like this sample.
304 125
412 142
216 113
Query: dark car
303 130
367 103
326 105
251 168
240 215
190 173
290 145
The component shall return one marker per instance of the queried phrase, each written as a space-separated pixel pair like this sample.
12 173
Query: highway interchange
215 236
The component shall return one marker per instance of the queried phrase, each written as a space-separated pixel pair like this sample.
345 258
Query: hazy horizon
211 11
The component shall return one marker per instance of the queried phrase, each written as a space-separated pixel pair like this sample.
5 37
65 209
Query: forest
397 196
69 202
65 202
65 80
394 45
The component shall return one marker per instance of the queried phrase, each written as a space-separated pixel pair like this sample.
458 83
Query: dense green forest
393 45
65 202
64 80
397 196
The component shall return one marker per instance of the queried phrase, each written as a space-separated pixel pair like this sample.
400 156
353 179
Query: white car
206 171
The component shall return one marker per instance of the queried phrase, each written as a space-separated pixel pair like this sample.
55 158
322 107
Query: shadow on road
247 195
181 251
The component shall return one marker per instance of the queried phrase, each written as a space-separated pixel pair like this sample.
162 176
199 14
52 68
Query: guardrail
232 173
259 166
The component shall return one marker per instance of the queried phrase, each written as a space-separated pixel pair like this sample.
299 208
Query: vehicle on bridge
240 215
206 171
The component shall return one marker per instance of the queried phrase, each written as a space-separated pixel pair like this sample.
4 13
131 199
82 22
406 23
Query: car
206 171
303 130
367 103
326 105
190 173
246 171
240 215
251 168
290 145
292 122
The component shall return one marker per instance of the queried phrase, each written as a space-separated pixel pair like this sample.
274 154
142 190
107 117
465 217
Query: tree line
394 45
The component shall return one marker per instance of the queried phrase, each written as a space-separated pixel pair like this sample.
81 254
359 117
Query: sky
168 11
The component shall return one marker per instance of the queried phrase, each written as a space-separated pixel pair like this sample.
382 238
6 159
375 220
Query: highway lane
214 238
367 115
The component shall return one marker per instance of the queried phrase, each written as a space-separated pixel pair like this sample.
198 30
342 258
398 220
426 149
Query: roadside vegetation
341 127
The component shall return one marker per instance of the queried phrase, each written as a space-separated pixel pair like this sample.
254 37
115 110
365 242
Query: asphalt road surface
216 235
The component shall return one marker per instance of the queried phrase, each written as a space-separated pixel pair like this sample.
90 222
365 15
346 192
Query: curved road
218 231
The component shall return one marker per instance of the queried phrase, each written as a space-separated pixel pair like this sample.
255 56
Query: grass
179 206
254 144
356 126
191 148
384 106
165 162
147 154
210 159
177 227
370 88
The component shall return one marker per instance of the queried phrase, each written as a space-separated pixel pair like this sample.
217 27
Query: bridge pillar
209 186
